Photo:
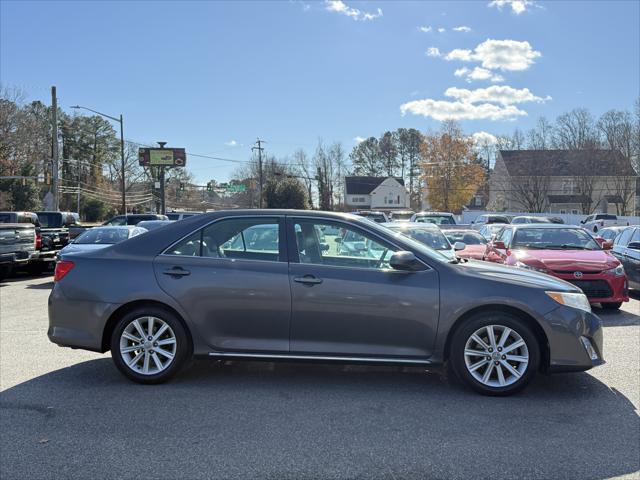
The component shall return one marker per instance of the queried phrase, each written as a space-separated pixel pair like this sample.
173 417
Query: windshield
554 238
469 238
436 219
102 236
431 237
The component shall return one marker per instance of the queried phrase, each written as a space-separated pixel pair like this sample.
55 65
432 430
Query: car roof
550 226
434 213
110 227
425 226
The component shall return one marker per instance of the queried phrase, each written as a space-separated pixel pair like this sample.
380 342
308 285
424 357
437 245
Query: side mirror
405 261
499 245
600 241
338 239
459 246
607 246
634 245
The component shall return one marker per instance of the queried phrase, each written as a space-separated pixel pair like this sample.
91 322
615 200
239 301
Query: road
70 414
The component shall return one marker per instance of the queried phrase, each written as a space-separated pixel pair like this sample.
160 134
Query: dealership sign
162 157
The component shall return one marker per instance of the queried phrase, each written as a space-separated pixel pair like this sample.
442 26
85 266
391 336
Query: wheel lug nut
496 363
504 357
499 349
155 344
490 349
149 337
488 357
151 352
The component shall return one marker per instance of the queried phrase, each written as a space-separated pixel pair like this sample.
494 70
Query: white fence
469 215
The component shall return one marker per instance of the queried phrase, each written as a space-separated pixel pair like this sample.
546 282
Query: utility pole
124 198
54 148
259 148
163 207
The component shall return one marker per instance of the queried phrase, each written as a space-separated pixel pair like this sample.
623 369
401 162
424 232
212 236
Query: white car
599 221
101 237
437 218
428 234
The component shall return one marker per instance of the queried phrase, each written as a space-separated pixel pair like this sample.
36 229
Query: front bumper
567 352
599 288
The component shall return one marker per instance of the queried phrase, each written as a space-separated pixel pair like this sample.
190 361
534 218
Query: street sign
236 188
162 157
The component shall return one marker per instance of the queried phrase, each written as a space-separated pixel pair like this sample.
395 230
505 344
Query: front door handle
177 272
308 280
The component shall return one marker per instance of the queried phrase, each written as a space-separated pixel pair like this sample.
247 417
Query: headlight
570 299
617 271
529 267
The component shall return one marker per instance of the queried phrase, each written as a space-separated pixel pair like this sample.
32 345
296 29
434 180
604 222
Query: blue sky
203 75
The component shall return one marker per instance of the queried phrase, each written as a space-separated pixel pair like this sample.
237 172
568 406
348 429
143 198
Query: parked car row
51 233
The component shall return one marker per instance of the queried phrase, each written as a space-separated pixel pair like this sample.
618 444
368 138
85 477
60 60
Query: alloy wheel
148 345
496 356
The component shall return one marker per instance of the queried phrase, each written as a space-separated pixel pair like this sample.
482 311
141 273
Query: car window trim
282 240
293 251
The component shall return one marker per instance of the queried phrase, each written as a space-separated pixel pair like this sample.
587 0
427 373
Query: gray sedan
277 284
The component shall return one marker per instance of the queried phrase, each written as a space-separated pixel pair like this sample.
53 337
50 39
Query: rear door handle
177 272
308 279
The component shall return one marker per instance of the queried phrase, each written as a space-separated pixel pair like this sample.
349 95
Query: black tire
183 347
611 305
483 319
37 268
5 271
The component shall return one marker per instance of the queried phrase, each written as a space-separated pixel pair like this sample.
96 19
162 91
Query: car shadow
618 318
285 420
40 286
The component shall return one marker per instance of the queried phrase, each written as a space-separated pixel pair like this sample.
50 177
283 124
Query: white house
378 193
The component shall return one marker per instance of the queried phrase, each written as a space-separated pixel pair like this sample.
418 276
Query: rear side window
238 238
636 235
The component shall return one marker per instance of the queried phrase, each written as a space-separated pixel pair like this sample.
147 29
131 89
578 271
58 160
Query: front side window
339 245
117 221
624 238
237 238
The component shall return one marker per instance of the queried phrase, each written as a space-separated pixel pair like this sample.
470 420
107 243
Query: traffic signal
209 187
181 186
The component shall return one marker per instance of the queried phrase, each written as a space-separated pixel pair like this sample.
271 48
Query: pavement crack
47 411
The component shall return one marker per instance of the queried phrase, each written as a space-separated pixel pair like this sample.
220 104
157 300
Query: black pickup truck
54 229
17 246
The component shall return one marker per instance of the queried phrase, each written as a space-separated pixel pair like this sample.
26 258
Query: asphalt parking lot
70 414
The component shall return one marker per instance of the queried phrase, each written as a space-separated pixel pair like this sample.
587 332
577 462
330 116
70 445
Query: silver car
98 238
278 284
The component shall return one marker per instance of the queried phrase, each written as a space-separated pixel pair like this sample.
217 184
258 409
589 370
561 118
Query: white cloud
478 73
492 103
425 29
338 6
231 143
359 139
484 138
501 94
442 30
445 110
433 52
517 6
511 55
462 28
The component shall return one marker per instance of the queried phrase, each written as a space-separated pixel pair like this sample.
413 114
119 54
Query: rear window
5 218
50 220
606 217
436 219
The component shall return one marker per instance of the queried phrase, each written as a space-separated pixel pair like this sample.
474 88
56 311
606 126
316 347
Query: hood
568 260
521 276
473 251
450 253
86 247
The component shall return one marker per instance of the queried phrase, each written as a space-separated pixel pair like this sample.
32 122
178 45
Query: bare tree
576 130
616 127
540 137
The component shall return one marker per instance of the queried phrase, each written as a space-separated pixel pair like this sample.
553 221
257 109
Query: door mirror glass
459 246
405 261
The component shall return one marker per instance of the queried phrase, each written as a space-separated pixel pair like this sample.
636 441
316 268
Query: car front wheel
150 345
495 353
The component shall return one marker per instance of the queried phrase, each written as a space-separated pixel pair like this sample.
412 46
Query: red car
474 243
566 252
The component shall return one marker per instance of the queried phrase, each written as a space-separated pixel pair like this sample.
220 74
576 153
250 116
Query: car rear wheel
150 345
611 306
495 353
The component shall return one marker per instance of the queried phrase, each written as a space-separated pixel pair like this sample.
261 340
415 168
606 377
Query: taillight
62 268
38 241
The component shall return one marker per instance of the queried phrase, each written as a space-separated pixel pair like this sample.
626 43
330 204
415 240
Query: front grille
571 272
594 288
